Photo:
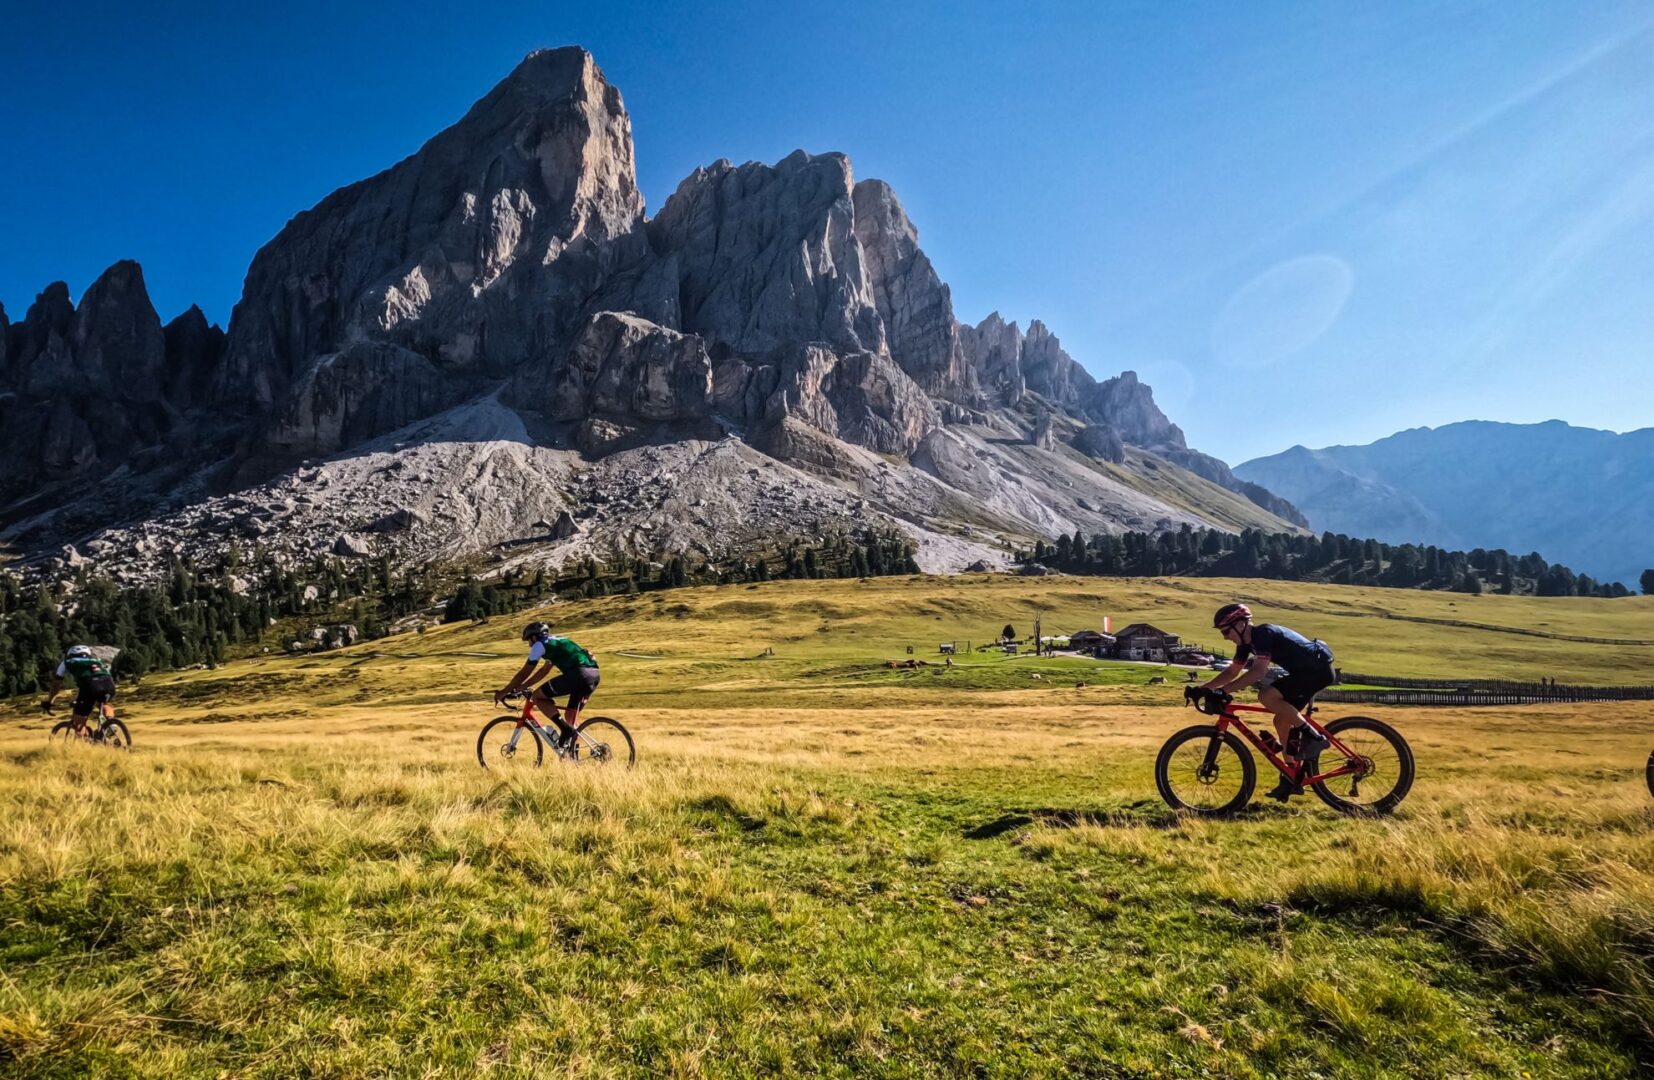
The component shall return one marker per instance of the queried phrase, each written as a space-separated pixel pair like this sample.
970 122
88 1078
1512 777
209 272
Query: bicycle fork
1209 766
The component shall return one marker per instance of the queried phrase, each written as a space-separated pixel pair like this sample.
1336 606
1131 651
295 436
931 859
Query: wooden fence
1538 695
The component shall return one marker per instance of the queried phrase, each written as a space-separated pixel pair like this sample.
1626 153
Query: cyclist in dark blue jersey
1309 670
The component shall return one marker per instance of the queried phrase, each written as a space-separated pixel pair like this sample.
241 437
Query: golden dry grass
820 866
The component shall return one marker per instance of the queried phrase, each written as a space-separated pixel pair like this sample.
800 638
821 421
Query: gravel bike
519 743
107 731
1206 770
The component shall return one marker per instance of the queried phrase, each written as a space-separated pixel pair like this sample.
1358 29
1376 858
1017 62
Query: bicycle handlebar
1210 702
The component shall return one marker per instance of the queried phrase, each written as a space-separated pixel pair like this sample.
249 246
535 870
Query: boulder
1044 436
398 520
1102 442
565 528
352 546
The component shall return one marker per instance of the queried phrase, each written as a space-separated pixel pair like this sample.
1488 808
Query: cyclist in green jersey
93 681
577 676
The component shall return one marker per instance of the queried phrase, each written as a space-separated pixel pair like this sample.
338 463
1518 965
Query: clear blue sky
1300 222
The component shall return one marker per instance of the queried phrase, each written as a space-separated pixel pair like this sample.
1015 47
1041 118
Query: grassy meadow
825 866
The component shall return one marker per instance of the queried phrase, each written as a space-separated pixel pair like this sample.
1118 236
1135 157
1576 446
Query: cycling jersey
83 669
563 653
1288 648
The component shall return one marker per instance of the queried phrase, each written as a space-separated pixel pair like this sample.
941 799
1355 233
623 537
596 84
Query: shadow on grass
1144 812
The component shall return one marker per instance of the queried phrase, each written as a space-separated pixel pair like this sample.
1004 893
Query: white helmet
79 652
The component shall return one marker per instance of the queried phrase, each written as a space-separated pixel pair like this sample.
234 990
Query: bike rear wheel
63 732
115 736
507 745
1651 773
1385 768
1205 771
603 741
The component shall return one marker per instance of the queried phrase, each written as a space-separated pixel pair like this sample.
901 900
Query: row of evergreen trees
249 601
1331 557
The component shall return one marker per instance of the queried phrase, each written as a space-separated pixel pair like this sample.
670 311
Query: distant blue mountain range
1575 495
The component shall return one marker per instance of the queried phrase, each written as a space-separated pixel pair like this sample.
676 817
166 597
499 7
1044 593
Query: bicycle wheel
1651 773
63 732
505 745
1385 768
1206 772
115 736
604 742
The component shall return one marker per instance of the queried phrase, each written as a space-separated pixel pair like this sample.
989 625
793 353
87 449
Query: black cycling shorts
1299 687
94 692
579 685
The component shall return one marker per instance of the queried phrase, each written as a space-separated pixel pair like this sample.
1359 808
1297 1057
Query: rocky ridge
491 334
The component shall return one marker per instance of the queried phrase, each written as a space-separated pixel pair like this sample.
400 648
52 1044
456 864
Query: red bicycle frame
1227 720
528 719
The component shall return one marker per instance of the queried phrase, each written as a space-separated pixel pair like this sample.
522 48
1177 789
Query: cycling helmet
536 630
1230 614
79 652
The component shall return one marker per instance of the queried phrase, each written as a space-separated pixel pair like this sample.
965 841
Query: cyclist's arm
51 690
523 677
1253 674
546 668
1224 677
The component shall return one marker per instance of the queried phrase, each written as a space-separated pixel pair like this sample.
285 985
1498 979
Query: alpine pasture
825 866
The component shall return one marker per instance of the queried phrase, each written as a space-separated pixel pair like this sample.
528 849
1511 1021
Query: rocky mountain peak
475 252
913 302
119 346
767 255
1127 404
502 286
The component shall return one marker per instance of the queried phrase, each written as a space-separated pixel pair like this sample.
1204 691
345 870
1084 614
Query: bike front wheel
1205 771
604 741
508 745
1383 767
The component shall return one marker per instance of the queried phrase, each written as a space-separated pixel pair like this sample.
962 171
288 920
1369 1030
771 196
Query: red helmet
1230 614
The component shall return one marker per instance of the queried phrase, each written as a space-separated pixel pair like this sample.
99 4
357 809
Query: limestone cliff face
994 348
622 367
84 390
478 252
1127 405
916 307
193 348
767 256
1009 364
788 305
366 389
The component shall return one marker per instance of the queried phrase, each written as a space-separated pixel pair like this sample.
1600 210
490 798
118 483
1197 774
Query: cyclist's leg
584 686
544 698
1283 712
86 699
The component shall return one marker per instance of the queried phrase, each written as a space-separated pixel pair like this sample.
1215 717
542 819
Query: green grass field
825 866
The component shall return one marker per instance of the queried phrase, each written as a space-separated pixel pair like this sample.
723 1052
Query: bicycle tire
1404 768
122 738
1165 773
1651 773
611 740
61 731
505 759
